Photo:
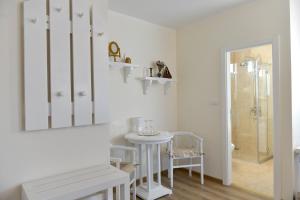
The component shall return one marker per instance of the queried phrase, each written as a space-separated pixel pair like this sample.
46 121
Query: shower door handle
254 110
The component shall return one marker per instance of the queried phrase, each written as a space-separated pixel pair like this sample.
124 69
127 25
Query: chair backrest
124 153
184 139
118 153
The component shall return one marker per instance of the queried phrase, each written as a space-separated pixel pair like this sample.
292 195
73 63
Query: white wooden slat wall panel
61 105
35 65
100 66
81 62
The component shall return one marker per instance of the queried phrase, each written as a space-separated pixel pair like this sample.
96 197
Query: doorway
251 144
252 119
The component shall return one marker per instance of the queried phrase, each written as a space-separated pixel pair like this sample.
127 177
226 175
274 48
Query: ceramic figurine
167 73
128 60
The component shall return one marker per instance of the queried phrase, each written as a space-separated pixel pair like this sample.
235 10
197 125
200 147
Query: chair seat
127 167
185 153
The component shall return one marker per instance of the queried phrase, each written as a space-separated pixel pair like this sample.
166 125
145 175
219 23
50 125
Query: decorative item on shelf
114 51
167 73
163 70
123 58
160 66
151 71
128 60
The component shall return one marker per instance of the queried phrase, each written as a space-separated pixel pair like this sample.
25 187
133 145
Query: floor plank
189 188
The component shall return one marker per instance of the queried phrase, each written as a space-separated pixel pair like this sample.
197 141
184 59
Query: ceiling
171 13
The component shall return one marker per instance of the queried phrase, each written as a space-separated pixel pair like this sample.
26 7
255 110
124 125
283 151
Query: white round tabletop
162 137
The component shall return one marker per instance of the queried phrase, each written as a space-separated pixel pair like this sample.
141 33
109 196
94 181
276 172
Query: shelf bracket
167 86
146 85
127 73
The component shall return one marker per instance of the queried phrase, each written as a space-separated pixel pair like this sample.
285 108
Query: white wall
25 156
199 48
29 155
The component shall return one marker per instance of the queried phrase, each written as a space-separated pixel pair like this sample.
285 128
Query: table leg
149 166
171 164
152 160
169 160
141 163
124 191
158 165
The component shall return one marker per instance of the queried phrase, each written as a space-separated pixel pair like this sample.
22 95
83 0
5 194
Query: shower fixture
247 61
250 63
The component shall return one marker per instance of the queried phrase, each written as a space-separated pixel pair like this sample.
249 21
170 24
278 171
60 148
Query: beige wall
144 43
199 48
29 155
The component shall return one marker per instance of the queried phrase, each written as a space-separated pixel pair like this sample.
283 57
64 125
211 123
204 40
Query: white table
78 184
150 190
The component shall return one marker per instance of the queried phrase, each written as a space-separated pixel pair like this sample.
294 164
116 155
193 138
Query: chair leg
134 186
172 174
134 190
190 169
169 159
202 170
171 163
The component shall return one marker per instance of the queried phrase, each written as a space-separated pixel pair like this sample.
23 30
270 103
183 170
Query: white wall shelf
147 83
126 67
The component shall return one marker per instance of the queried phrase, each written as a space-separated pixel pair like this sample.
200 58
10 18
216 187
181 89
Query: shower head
246 62
249 63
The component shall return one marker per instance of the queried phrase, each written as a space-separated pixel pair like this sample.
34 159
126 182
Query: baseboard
216 180
165 172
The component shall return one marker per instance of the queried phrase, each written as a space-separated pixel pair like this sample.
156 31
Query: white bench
78 184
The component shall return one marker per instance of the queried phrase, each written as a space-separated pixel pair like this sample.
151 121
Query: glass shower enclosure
252 113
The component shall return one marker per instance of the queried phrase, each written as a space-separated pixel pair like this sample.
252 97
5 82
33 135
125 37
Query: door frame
226 109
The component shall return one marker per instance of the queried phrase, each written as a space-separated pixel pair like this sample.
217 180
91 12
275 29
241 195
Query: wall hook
82 94
100 34
33 20
59 94
58 9
80 14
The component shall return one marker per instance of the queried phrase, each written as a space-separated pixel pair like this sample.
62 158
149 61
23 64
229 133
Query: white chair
124 158
188 147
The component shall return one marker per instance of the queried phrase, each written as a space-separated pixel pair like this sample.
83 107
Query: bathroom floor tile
253 176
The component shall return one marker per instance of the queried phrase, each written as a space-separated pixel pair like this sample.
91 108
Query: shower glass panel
251 99
264 124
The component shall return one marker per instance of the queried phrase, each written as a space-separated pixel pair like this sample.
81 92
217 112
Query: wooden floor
189 188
